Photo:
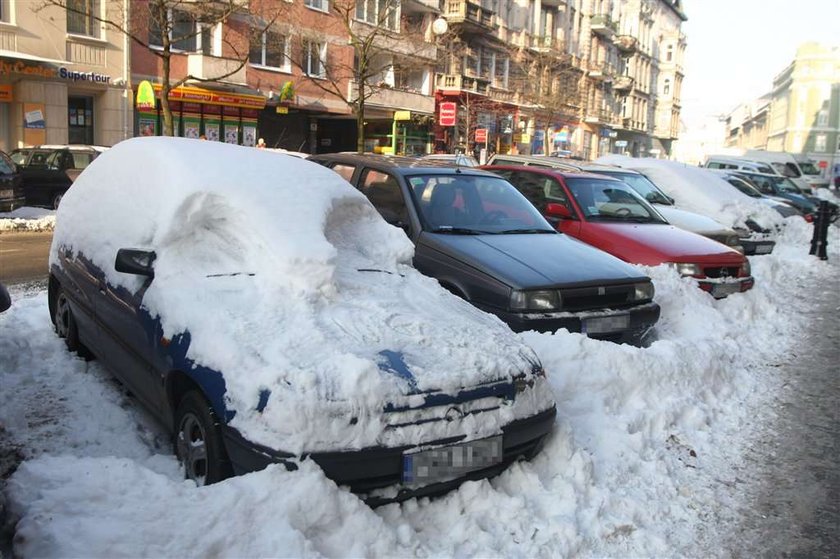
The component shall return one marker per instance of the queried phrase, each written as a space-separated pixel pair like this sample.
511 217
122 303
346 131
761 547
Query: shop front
216 115
467 122
43 101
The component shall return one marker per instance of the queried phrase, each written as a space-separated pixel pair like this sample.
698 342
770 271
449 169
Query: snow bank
27 219
289 281
699 190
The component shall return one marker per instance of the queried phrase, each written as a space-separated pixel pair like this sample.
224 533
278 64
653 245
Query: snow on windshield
699 190
288 281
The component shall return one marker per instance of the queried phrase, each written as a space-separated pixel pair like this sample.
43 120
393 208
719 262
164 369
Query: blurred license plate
450 462
764 249
724 289
6 193
605 324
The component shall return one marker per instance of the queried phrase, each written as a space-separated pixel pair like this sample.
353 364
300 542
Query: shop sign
523 138
145 100
621 143
21 67
207 97
480 135
281 110
448 114
6 94
402 115
76 76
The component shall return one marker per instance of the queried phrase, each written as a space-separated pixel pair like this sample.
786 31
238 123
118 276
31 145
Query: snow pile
699 190
290 282
27 219
645 440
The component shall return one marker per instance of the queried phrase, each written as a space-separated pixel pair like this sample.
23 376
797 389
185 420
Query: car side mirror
137 262
558 210
5 299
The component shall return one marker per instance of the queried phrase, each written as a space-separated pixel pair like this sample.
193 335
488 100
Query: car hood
534 261
652 244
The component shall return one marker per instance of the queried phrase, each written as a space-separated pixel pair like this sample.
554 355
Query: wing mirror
5 300
137 262
558 210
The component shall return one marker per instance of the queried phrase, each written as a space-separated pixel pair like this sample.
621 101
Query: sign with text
480 135
448 114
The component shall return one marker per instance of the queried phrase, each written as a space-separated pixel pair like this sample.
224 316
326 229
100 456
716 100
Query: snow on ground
645 437
27 219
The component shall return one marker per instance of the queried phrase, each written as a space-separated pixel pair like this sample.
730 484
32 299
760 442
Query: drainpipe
127 96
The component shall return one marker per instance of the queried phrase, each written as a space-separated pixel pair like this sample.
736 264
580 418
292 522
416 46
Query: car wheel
198 441
66 327
57 200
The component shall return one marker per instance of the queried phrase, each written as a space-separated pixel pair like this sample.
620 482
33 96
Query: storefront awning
209 96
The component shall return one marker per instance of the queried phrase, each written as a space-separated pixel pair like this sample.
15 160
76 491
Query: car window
39 159
765 169
55 160
383 191
743 187
6 165
80 160
713 165
792 170
345 170
505 161
540 190
602 200
19 157
764 184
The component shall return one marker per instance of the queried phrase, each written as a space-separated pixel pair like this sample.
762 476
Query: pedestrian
836 173
261 144
202 137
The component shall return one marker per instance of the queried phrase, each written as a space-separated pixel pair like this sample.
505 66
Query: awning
31 57
208 96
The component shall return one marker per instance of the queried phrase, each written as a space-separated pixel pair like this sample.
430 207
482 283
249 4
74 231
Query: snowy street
654 452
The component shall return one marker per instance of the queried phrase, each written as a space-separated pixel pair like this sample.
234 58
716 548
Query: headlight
534 300
733 241
745 268
687 268
644 291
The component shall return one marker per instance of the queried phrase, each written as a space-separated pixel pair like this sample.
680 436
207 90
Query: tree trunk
360 120
164 99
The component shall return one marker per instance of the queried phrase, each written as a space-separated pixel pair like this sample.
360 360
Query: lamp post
440 27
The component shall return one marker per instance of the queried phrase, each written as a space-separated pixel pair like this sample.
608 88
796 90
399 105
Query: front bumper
641 319
367 470
720 288
10 204
753 246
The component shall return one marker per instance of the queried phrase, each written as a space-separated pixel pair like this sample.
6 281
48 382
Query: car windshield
456 159
809 168
743 187
786 185
642 185
19 157
471 204
42 159
606 200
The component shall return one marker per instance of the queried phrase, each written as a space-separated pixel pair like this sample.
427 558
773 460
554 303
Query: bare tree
167 27
384 43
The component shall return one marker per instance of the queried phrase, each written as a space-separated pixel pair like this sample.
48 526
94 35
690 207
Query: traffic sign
480 135
448 114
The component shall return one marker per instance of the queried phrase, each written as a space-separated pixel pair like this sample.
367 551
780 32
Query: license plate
724 289
6 193
605 324
450 462
764 249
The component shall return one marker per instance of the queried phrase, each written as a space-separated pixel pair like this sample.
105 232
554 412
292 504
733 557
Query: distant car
49 170
11 184
785 189
745 186
456 159
608 214
483 241
264 312
5 299
298 154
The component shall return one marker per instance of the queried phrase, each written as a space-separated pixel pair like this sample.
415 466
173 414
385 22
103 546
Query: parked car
49 170
797 167
534 160
455 159
264 312
11 184
483 241
785 189
744 186
5 299
608 214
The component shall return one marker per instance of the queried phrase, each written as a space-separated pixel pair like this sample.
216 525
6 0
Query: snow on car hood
691 221
699 190
289 283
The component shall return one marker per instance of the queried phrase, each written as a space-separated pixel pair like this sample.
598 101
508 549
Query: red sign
448 114
480 135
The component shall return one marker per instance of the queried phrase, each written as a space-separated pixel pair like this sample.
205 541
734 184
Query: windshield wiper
457 230
524 231
232 274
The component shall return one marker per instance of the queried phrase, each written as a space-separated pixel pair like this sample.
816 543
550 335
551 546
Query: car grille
721 272
597 297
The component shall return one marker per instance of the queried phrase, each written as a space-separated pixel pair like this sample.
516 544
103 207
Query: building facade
62 79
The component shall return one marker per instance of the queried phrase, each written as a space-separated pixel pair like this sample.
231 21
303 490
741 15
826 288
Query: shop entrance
80 120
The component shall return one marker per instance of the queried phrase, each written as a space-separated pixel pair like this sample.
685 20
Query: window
382 13
81 17
346 171
384 193
666 89
270 49
669 53
186 33
321 5
314 55
822 118
819 142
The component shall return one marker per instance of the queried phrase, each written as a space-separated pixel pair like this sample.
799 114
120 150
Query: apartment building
804 114
62 79
747 125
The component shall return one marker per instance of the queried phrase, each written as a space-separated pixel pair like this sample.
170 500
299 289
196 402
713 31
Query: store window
80 120
270 49
81 17
314 55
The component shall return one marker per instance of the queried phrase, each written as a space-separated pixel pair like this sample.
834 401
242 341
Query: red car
608 214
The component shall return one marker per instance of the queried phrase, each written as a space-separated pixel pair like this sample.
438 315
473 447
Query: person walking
260 144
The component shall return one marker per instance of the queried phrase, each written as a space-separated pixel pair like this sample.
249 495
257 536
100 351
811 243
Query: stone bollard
819 241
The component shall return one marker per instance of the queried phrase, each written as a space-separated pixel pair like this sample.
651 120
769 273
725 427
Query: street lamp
440 26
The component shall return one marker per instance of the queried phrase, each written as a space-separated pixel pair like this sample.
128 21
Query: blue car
241 297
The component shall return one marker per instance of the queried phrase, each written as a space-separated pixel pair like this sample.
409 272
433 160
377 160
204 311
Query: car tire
198 441
65 325
56 200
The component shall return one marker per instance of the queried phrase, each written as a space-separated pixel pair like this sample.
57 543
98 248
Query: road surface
24 257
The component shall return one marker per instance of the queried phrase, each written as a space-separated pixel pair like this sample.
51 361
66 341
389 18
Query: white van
796 166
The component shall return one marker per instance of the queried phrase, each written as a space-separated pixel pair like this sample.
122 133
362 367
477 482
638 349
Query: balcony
623 84
547 43
399 99
600 71
627 45
602 25
470 14
212 67
411 47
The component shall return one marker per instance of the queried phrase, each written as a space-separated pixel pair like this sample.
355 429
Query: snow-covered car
700 190
262 309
